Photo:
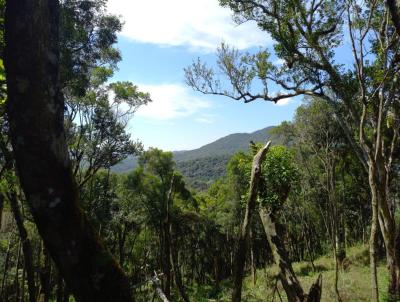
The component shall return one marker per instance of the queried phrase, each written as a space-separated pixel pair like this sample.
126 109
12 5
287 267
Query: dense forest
202 166
308 211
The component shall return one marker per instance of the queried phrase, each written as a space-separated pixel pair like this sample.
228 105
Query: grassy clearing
354 281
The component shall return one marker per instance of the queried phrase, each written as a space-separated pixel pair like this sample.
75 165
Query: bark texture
290 283
287 276
240 257
35 111
394 13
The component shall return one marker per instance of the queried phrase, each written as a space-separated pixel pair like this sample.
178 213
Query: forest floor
354 280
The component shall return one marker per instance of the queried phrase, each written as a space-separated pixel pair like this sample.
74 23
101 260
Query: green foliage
279 174
200 173
88 34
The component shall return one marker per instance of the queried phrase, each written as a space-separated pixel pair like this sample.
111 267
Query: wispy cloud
170 101
205 119
201 25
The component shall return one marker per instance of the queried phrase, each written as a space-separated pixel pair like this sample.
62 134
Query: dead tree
241 251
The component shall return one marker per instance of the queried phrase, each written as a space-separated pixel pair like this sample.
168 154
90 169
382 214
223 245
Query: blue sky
159 39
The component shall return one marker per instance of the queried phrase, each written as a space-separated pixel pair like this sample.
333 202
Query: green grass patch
354 281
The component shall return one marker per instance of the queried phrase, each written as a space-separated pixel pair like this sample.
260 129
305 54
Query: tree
363 95
97 111
240 256
35 109
325 140
394 13
156 185
277 179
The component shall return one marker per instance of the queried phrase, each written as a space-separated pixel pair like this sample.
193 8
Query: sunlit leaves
279 174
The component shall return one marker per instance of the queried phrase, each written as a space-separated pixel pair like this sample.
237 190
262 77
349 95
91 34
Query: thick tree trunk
36 111
240 257
26 246
383 215
394 13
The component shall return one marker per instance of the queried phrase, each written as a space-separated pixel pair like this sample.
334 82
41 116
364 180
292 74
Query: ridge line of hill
204 165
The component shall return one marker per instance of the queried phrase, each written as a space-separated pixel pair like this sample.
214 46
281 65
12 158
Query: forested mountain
311 217
226 145
202 166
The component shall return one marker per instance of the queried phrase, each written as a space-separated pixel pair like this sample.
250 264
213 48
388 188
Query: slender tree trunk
59 293
5 269
67 293
373 237
177 271
35 109
241 251
253 265
335 224
23 284
121 244
167 241
174 251
307 239
16 280
1 208
44 276
26 245
217 272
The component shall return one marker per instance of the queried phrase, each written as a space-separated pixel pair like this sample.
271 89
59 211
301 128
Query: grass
354 280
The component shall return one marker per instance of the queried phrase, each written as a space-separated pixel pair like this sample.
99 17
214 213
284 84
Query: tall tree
35 109
364 95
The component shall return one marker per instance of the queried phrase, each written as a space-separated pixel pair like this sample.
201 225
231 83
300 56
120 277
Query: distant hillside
204 165
225 145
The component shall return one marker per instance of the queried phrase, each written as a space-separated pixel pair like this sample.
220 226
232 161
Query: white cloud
284 102
170 101
198 24
279 62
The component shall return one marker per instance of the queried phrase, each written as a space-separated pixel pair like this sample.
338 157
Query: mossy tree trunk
35 109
